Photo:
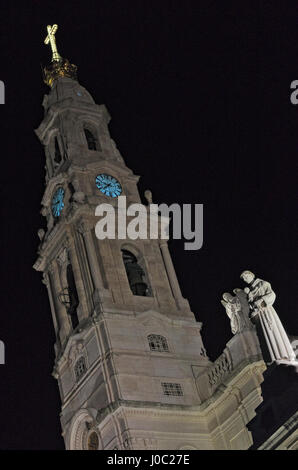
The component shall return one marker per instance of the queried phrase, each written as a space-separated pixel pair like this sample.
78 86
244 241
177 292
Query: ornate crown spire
59 67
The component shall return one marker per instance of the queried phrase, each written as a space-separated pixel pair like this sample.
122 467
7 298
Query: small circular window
93 441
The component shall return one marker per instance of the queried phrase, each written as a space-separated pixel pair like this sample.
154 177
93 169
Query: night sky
199 94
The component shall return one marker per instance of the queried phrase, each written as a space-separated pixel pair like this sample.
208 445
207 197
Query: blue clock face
108 185
57 202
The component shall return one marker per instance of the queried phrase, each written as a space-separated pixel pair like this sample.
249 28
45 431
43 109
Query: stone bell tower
126 340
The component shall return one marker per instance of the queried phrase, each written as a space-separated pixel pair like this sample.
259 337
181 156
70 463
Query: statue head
148 196
227 297
247 276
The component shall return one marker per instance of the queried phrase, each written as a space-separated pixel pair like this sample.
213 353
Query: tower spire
59 66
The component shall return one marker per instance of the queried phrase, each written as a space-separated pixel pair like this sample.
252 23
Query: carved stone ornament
51 267
237 309
148 196
83 227
41 234
79 197
45 279
76 350
63 258
44 211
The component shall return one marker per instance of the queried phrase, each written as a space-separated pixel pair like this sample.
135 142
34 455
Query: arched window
158 343
80 368
135 274
57 155
90 138
93 441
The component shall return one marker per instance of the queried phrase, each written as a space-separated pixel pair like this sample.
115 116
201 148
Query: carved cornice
39 263
54 181
84 110
46 123
146 408
58 237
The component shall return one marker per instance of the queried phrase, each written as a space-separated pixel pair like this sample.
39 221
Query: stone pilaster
62 318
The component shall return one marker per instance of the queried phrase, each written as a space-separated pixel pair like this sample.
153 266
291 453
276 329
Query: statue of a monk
261 298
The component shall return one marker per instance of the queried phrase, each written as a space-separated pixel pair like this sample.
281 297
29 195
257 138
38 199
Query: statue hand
253 316
260 303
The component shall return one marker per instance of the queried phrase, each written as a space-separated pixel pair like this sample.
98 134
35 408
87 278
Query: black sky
199 93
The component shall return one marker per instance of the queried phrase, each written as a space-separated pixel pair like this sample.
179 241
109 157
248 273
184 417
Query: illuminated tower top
59 67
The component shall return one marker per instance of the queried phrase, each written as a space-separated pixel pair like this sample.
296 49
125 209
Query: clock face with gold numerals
108 185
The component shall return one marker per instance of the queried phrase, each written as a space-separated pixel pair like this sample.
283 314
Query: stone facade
132 370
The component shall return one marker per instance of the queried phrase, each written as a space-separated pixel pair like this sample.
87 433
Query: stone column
92 259
78 277
100 293
171 273
46 282
62 319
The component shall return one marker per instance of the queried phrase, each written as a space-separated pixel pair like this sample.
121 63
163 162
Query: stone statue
261 297
148 196
237 309
41 234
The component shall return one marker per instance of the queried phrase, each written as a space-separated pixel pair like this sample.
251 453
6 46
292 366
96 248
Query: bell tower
127 342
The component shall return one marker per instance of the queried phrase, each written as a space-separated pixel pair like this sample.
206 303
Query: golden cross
52 40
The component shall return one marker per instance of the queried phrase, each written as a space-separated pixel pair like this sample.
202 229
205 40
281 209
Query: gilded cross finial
59 67
50 39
